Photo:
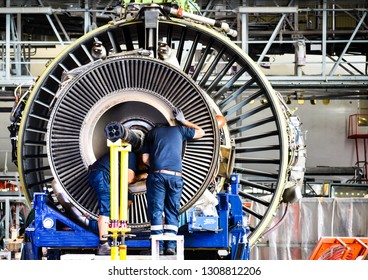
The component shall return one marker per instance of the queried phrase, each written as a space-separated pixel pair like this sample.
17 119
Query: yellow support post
118 196
123 252
114 182
124 166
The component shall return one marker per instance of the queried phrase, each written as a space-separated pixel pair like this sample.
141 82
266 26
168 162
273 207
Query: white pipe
222 25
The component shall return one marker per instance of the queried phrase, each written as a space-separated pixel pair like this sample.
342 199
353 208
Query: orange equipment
341 248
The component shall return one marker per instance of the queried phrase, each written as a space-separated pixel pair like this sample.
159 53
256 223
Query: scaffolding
325 41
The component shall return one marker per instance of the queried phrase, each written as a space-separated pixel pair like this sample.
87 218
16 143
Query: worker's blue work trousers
163 196
100 181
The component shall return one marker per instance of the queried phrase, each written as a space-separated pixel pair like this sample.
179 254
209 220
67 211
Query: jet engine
135 71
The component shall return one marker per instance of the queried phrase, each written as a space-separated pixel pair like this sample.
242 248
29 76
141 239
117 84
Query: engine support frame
53 230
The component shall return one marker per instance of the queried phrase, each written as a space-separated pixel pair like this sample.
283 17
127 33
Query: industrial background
313 53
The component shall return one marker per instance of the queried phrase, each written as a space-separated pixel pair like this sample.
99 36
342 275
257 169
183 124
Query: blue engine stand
232 223
52 229
231 234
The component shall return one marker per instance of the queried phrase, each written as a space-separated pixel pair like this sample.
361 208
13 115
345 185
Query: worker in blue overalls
99 180
162 151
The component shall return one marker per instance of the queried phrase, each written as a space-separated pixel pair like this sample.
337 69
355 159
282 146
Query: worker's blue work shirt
157 142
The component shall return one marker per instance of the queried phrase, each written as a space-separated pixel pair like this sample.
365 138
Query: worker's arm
145 159
145 156
198 133
179 116
143 171
131 176
141 177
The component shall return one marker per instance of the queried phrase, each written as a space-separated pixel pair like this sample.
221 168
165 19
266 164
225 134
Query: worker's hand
141 177
179 116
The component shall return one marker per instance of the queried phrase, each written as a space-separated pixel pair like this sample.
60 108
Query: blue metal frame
60 232
64 233
233 228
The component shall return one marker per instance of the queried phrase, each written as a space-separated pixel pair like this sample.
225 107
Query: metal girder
26 10
273 36
267 10
277 28
329 67
348 44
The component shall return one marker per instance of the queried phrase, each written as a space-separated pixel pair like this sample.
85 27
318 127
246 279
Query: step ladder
155 245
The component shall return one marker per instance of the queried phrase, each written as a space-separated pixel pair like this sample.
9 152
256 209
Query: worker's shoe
104 249
170 251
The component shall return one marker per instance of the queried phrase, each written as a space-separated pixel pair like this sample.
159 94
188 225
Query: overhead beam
267 10
26 10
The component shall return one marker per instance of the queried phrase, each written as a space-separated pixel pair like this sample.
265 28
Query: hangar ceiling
332 34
